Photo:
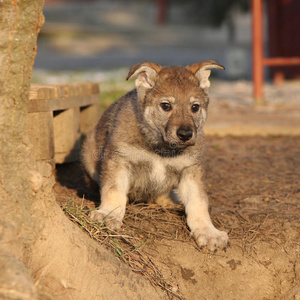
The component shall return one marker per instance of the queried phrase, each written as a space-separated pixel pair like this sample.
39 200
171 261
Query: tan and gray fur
148 144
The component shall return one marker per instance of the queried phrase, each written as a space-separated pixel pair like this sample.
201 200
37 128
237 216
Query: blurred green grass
110 96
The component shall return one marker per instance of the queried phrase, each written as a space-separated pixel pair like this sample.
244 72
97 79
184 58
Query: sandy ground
253 186
233 111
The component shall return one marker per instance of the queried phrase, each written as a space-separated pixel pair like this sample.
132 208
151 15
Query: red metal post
161 16
257 49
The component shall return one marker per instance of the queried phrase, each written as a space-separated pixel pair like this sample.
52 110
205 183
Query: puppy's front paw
110 220
211 237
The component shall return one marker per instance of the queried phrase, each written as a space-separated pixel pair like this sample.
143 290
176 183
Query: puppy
149 144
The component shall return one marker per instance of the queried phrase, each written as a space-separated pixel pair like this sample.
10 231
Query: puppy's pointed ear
202 72
147 73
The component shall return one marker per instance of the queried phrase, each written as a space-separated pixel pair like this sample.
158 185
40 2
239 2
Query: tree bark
19 27
42 254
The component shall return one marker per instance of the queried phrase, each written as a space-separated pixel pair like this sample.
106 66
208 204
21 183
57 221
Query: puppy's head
174 100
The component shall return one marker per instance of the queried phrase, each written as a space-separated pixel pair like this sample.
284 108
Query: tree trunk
19 27
42 254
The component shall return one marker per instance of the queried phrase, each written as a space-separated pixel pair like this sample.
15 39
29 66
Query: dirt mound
253 186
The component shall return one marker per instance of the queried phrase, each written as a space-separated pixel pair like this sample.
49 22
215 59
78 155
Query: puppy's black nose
184 134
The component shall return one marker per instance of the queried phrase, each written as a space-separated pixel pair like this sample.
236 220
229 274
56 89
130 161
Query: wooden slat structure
59 115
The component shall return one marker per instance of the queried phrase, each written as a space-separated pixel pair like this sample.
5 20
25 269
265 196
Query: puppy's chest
151 173
155 171
155 174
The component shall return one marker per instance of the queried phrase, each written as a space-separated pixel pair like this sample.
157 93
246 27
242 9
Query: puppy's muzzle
184 134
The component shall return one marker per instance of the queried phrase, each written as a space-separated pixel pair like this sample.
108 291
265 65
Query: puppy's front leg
113 192
193 196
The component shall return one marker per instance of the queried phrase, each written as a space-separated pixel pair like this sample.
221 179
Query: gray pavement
111 34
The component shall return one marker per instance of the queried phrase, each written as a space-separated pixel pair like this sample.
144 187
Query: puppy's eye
195 107
166 106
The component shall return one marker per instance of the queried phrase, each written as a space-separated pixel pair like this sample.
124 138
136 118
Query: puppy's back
102 135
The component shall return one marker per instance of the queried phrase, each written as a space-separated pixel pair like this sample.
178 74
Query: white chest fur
158 173
149 166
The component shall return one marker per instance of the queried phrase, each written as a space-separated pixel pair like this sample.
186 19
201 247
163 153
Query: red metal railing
259 61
